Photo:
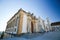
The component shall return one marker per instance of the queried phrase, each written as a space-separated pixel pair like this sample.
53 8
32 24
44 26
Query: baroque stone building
25 22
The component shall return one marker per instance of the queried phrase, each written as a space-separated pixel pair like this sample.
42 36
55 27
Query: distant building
55 26
25 22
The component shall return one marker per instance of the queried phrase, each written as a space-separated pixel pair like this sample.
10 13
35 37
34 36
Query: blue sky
42 8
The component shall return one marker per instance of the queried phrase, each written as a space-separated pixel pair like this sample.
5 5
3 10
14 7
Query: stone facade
25 22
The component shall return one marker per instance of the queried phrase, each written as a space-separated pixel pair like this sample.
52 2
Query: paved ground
49 36
38 36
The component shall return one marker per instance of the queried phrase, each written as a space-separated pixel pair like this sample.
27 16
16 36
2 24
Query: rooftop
55 23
